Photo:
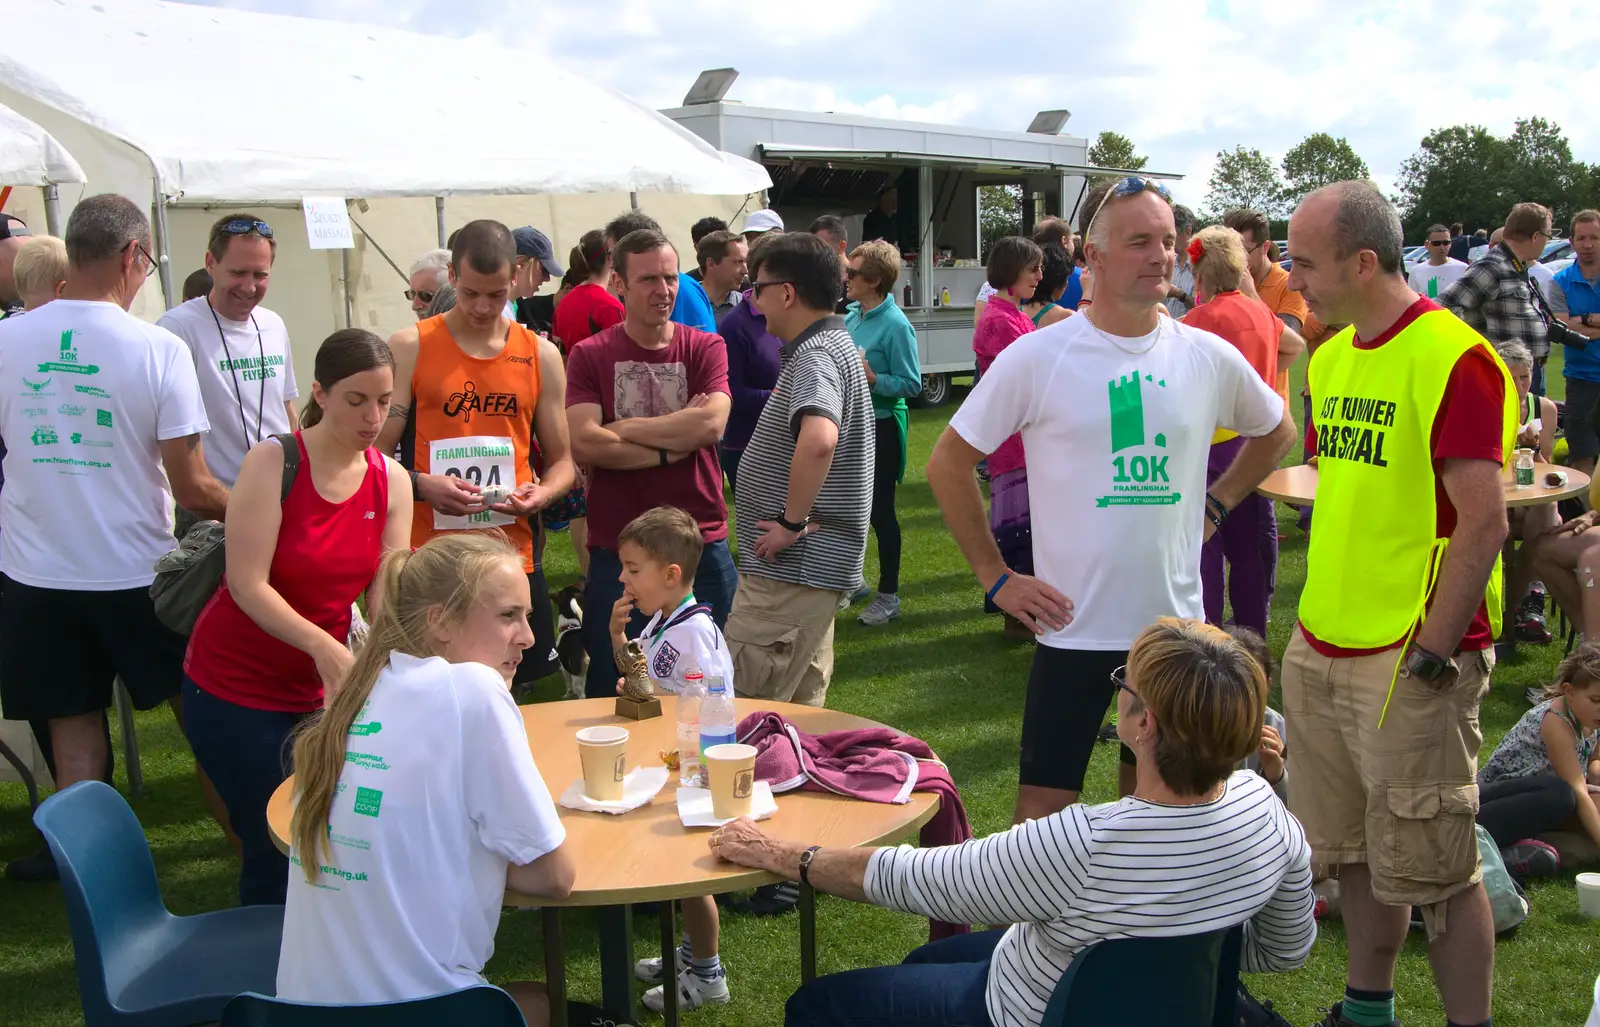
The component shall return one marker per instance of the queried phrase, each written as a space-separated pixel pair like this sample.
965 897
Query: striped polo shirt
820 375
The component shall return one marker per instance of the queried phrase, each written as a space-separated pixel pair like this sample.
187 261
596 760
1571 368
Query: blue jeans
715 582
247 754
941 984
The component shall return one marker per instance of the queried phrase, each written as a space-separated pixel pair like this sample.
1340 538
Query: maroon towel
873 764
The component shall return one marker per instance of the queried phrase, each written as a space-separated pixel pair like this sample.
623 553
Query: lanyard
666 622
238 396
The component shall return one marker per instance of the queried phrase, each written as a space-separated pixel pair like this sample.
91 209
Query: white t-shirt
1444 275
87 391
1117 442
1544 276
985 293
245 382
689 632
438 797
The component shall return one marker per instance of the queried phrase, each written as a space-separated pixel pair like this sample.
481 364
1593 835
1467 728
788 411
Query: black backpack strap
291 463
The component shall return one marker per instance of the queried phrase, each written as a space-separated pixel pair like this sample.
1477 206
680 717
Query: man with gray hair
1180 294
1382 678
428 275
95 403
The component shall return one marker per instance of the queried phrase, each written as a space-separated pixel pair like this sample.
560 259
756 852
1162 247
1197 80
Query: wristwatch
795 526
805 864
1424 665
1584 320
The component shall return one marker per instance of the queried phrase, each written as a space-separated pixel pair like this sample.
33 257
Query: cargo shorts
1401 798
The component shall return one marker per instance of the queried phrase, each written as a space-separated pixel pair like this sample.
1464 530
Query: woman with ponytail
418 802
273 637
589 307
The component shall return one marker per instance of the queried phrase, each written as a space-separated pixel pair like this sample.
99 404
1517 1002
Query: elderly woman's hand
744 843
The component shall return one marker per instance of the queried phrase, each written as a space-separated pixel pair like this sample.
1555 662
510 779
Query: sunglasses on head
1119 680
244 226
419 294
1130 186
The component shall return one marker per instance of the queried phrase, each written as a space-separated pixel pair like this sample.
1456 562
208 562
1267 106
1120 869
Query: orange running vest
474 420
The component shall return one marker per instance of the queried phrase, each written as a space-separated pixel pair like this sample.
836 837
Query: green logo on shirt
68 359
102 418
90 390
44 436
367 801
365 759
37 387
369 728
1140 479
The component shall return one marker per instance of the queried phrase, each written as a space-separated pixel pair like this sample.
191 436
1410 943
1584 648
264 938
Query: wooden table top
647 855
1298 484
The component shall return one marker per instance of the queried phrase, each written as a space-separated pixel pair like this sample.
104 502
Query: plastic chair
481 1006
138 965
1110 983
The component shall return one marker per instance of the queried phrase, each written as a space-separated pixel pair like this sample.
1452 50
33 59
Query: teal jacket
891 348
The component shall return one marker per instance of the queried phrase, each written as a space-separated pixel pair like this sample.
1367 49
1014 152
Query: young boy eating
660 550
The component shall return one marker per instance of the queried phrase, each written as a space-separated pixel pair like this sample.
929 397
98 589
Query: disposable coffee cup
1589 895
731 773
604 754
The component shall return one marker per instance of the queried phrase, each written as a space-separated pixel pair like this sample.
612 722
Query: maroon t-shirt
627 380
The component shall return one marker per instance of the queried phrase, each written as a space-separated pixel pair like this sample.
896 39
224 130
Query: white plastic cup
1589 895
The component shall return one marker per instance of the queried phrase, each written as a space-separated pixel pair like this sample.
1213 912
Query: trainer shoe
1532 627
41 866
693 992
649 970
1535 695
882 610
1335 1018
1531 858
768 900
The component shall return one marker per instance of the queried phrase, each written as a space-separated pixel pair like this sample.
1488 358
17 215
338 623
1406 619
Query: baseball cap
13 227
533 243
763 220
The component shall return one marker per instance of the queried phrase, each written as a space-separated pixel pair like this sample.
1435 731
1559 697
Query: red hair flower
1197 251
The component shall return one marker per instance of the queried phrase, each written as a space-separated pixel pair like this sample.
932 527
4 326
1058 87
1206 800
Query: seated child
1271 759
1539 777
660 550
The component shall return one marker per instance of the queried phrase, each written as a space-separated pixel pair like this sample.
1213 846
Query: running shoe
883 609
1531 858
694 991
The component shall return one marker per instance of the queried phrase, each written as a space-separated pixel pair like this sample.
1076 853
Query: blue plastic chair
1111 983
481 1006
138 965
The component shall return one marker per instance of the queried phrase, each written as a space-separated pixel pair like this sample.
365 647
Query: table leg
808 934
555 966
616 962
669 962
1506 645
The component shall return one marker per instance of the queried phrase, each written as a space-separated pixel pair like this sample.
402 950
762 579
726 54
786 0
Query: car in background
1415 255
1557 250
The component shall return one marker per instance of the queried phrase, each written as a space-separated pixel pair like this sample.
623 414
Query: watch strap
795 526
805 864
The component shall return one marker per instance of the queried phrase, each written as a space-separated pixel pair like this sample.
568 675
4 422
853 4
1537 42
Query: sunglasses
755 289
244 226
419 294
852 273
1438 242
1119 680
1130 186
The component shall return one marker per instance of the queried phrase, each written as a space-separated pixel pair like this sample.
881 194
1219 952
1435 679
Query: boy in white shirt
659 551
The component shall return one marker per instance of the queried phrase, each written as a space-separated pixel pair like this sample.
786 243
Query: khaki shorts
780 636
1402 798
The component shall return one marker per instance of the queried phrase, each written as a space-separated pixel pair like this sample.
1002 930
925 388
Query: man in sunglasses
428 275
240 348
1432 276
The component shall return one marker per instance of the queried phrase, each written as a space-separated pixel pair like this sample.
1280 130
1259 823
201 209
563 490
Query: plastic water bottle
690 699
718 723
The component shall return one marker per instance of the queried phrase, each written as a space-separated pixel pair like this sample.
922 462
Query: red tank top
327 554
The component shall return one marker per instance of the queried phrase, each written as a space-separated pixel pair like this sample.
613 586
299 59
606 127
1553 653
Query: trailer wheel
935 390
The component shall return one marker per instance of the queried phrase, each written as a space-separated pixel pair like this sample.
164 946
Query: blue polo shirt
693 308
1582 298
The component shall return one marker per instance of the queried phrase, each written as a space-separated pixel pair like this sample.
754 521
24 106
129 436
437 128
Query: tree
1319 160
1243 178
1544 171
1114 150
999 214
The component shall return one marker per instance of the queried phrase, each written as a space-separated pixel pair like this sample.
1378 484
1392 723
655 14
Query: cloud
1182 79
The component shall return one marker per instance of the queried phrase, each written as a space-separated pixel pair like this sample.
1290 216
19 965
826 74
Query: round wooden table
647 855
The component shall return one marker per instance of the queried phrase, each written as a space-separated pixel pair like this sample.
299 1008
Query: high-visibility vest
1375 555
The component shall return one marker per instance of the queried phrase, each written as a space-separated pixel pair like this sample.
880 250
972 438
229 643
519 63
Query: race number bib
481 459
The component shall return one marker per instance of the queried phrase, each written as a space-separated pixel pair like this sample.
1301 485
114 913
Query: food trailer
824 163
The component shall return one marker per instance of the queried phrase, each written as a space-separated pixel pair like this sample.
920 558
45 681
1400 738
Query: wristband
999 583
664 457
413 484
1215 511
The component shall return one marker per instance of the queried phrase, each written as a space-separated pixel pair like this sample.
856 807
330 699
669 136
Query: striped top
1125 869
821 375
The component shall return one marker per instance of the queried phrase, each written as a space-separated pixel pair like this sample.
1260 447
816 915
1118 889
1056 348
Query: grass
943 673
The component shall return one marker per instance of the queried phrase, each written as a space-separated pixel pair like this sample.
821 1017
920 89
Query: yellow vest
1375 554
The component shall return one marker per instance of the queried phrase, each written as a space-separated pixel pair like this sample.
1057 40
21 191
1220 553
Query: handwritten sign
328 223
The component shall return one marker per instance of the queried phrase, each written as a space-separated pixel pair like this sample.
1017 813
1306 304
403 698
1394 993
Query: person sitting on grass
660 550
1271 758
1541 776
418 800
1197 847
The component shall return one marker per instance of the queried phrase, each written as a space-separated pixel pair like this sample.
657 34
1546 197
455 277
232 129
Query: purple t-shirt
752 369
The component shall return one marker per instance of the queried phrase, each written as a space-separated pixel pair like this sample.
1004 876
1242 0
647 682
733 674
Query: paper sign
328 223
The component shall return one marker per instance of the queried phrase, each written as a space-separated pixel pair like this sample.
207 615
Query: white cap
763 220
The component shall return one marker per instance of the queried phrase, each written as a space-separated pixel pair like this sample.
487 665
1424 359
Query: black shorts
62 649
539 659
1069 691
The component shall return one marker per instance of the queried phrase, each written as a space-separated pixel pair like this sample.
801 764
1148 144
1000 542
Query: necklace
1113 338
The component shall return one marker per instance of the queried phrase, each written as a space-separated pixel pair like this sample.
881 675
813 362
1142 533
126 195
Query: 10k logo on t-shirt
1139 479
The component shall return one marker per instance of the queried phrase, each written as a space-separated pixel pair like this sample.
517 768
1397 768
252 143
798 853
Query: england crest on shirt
666 658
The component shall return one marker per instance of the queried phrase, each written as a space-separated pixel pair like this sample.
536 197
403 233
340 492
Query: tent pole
633 201
163 258
52 209
438 214
344 281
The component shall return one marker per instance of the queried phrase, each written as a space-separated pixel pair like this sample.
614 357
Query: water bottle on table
690 699
718 723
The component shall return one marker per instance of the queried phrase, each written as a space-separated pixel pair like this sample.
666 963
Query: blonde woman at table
1536 430
418 800
1197 847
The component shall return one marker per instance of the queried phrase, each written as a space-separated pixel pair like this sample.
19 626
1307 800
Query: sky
1182 78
